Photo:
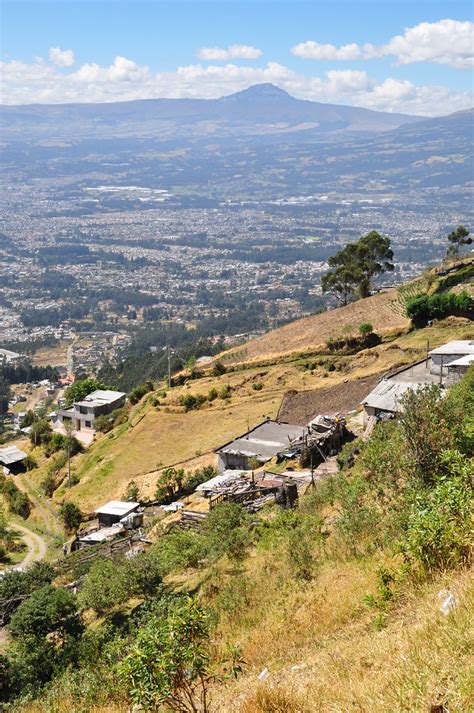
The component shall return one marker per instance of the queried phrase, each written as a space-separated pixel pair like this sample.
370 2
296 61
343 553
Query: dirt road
36 545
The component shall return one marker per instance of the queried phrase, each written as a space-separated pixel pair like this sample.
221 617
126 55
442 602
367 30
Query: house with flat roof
444 355
82 414
261 443
444 366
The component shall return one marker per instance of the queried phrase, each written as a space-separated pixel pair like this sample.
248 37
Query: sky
411 56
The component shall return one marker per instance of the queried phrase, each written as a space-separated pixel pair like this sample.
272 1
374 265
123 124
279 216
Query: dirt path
36 545
45 509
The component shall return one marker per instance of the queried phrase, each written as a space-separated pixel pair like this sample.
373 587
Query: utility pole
169 367
69 465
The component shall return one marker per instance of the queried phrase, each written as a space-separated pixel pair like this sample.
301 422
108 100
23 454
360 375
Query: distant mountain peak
266 90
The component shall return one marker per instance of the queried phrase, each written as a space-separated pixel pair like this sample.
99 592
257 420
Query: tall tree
457 238
356 265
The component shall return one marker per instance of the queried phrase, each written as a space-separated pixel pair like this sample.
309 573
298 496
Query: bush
139 392
47 609
103 587
40 433
213 394
365 328
70 515
421 308
132 493
224 393
191 402
439 527
169 663
29 462
179 550
218 369
16 499
257 386
227 529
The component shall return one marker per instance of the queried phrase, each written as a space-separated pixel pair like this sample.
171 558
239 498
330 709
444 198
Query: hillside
360 599
311 333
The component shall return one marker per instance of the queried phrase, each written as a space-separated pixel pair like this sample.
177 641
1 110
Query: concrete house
261 443
82 414
444 366
444 355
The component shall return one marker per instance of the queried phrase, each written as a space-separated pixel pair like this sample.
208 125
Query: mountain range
260 109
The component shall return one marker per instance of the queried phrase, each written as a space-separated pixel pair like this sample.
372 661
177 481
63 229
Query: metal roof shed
12 458
114 511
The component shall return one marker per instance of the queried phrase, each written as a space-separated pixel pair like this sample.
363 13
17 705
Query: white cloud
221 54
314 50
61 58
447 41
124 79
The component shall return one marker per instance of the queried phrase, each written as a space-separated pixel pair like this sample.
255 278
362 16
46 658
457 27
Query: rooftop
457 346
11 454
264 441
387 394
100 397
120 508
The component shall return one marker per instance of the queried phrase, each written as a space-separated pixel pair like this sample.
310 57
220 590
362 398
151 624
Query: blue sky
351 55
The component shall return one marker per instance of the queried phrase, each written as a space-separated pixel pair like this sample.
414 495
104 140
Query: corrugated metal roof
264 441
456 346
462 361
387 395
117 507
11 454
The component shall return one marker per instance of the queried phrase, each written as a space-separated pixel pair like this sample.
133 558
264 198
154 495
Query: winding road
36 545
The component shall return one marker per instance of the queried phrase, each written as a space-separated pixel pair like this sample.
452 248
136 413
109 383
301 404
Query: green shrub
227 529
191 402
70 515
169 663
439 532
422 308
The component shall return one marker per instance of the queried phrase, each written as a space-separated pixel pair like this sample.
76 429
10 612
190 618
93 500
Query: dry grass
324 653
310 332
56 355
155 439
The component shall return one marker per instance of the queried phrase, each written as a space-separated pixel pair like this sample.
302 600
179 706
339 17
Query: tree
342 282
80 389
40 432
356 265
48 609
375 257
170 662
227 529
457 238
132 493
104 587
70 515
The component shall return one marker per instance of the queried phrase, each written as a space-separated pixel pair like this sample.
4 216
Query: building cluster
443 366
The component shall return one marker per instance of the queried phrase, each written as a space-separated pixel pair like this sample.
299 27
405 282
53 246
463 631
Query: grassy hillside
339 599
312 332
155 437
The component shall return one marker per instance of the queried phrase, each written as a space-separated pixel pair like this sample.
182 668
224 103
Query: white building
82 414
